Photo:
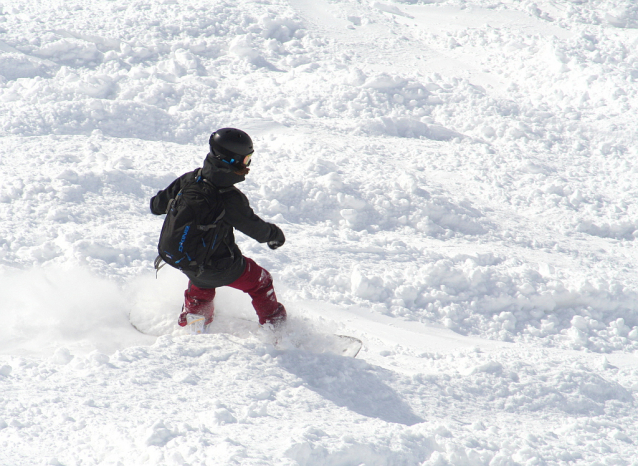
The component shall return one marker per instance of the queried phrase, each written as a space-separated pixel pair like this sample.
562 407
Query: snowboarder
227 164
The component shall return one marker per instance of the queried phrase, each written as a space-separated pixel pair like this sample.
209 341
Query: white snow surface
457 181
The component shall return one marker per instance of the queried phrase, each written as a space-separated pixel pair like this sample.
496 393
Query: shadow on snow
349 383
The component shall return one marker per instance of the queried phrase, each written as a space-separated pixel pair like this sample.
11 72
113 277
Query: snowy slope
457 185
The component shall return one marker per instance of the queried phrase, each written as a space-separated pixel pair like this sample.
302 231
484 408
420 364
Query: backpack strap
214 224
158 264
198 178
225 239
170 204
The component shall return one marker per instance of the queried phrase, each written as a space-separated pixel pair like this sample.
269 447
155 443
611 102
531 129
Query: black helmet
232 146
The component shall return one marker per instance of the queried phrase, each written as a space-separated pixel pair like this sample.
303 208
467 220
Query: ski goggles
239 161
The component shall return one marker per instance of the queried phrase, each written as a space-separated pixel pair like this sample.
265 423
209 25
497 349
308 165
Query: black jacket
227 263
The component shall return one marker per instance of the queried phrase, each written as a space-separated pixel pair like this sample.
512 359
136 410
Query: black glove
279 240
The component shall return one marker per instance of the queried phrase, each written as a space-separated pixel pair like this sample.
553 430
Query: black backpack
192 228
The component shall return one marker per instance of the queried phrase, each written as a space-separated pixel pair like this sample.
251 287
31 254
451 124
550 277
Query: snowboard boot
278 318
195 323
198 301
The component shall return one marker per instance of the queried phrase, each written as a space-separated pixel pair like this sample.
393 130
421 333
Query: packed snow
457 181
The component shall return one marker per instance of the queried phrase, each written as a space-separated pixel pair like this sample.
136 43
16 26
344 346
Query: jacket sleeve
240 215
160 201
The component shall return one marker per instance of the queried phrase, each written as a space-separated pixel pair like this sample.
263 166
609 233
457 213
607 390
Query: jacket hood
220 174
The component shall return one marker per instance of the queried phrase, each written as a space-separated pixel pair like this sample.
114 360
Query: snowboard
343 345
348 346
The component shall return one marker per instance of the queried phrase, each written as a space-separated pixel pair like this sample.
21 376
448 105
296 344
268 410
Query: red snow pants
255 280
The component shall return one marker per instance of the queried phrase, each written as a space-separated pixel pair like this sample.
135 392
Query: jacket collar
220 174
